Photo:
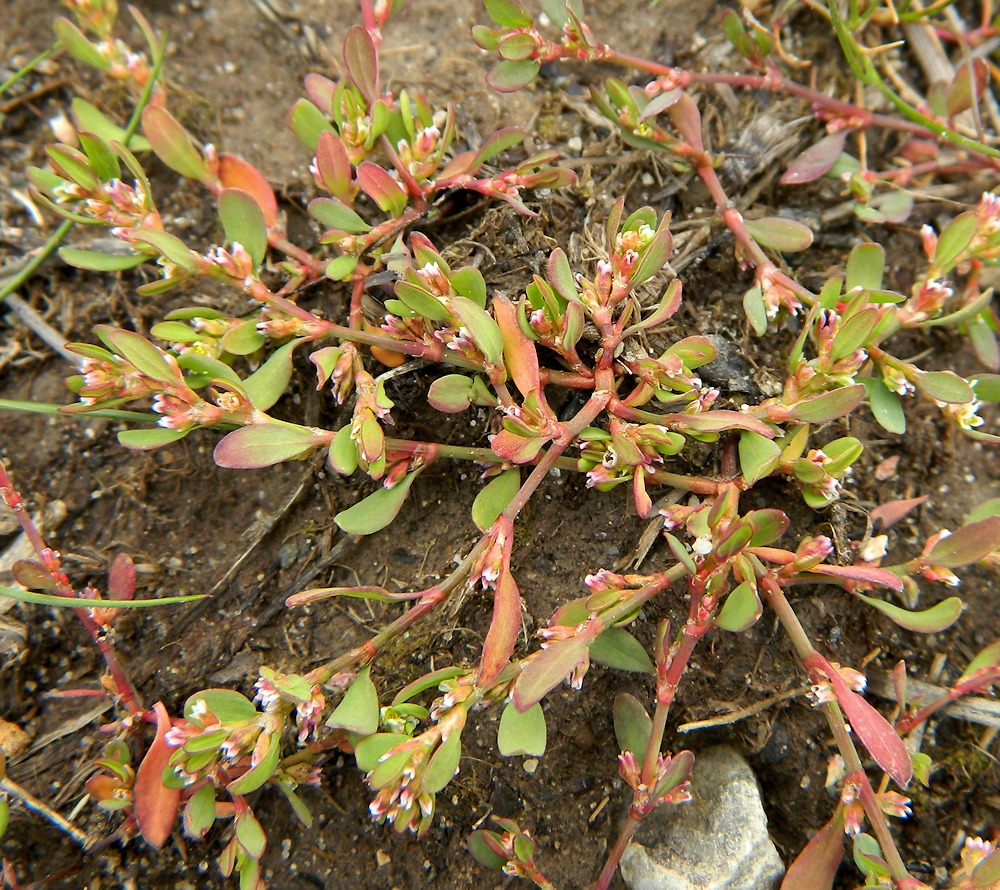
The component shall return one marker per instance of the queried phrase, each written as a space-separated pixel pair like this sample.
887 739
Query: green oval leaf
617 648
358 710
758 456
509 77
443 764
740 610
265 444
521 733
335 214
147 440
226 704
256 776
632 724
244 222
779 233
268 383
495 497
377 510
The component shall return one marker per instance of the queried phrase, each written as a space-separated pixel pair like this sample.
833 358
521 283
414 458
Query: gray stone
717 841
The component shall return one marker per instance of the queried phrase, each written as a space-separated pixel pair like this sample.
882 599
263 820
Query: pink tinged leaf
944 386
381 188
361 62
827 406
816 160
778 233
236 173
504 628
966 89
547 669
816 866
518 351
890 513
517 449
147 358
717 421
265 444
320 90
867 574
967 545
78 46
871 728
173 145
334 166
155 805
121 578
450 394
686 117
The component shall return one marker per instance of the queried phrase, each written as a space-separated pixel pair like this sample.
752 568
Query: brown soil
251 539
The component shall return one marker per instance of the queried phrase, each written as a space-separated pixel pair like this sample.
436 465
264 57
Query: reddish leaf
361 62
871 728
121 578
547 669
381 188
816 160
334 166
172 144
969 544
236 173
518 351
816 866
517 449
868 574
155 804
264 444
504 628
890 513
827 406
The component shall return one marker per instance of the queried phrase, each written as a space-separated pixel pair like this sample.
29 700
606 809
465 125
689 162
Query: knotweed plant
382 162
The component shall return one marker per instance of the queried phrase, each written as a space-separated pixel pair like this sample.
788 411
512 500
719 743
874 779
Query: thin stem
803 646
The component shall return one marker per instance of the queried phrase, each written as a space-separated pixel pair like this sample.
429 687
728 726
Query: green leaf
268 383
758 456
199 812
495 497
249 833
265 444
341 268
955 238
377 510
147 358
77 45
69 602
256 776
632 724
343 454
482 327
854 333
368 752
932 620
358 710
147 440
865 267
755 309
443 764
307 122
89 119
244 222
986 658
469 282
172 144
450 394
944 386
94 261
617 648
828 406
885 405
226 704
521 733
421 303
175 250
509 77
780 233
508 14
741 609
243 339
484 854
335 214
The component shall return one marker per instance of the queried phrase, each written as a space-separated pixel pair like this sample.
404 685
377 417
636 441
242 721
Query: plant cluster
382 161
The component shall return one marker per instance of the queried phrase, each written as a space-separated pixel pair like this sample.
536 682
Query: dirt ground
251 539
